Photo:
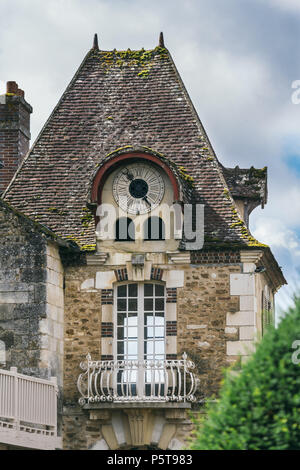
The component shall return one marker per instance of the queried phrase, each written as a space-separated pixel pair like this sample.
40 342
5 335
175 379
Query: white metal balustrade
28 411
137 381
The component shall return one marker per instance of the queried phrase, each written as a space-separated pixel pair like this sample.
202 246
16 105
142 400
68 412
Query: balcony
137 383
28 411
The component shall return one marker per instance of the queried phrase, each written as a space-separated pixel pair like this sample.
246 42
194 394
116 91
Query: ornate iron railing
137 381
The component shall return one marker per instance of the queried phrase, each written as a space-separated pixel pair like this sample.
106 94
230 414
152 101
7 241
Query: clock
138 188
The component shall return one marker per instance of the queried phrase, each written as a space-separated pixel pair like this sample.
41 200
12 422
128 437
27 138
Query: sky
239 60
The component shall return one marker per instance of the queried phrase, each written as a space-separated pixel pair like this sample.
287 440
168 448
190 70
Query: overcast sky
237 58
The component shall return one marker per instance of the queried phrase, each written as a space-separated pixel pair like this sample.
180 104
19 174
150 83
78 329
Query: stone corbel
179 257
138 425
139 273
251 256
97 259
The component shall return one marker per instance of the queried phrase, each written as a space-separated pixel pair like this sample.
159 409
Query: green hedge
260 407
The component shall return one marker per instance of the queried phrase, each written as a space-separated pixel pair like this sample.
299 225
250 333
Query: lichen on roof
142 59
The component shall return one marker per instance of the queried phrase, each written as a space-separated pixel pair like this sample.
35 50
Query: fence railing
28 405
137 381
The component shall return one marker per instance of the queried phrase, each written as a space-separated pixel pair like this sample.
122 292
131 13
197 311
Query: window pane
132 290
132 305
121 318
121 305
159 332
132 332
148 304
132 348
159 290
120 347
149 332
120 333
159 318
148 290
122 291
159 347
149 319
148 347
159 304
132 320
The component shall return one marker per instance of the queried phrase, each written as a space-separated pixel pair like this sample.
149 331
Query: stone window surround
106 281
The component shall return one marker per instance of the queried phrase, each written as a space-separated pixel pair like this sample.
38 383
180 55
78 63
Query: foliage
259 407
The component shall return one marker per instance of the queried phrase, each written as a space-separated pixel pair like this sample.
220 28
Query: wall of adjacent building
31 298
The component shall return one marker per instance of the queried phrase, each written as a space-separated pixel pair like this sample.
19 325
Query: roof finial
95 44
161 40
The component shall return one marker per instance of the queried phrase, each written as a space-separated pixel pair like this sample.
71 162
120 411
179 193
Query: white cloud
285 5
276 234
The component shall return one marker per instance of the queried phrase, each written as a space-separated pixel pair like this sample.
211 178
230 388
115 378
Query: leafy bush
259 408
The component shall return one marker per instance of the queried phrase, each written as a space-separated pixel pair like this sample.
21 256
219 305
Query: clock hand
146 200
128 174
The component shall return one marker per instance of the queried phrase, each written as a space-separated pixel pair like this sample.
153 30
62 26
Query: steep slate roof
131 99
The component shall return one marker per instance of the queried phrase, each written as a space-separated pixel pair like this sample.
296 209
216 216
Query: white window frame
141 376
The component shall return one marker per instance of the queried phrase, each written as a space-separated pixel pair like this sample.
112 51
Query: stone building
127 268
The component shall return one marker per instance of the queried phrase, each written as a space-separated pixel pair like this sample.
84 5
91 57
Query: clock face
138 188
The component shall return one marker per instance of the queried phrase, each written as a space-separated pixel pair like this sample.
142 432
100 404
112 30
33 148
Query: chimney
14 132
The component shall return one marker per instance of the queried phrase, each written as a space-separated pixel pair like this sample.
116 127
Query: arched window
154 229
125 230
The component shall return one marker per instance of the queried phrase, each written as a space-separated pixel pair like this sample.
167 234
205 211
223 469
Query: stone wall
22 291
31 298
82 326
202 306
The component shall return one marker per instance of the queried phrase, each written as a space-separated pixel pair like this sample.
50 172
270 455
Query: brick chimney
14 132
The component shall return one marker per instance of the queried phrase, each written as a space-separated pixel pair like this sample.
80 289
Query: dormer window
137 196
